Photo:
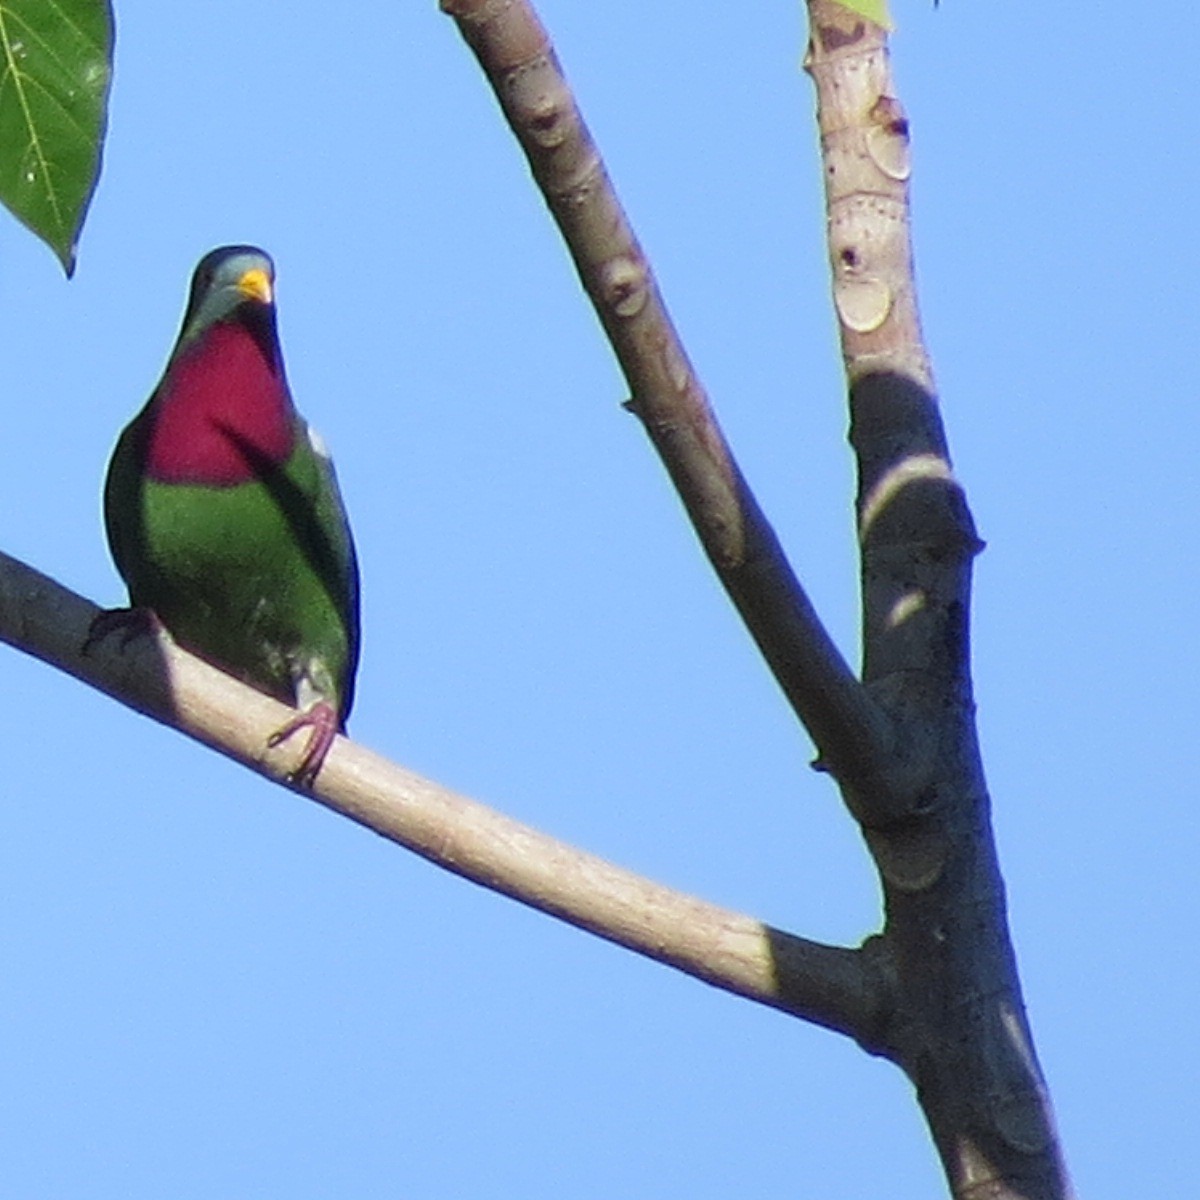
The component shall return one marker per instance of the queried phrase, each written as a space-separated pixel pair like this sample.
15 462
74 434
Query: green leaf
873 10
55 68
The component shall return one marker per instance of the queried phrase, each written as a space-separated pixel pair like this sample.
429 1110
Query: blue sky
212 988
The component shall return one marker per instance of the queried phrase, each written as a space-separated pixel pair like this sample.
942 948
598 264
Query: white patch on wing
317 442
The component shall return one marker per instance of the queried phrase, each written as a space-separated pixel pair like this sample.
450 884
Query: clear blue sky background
211 988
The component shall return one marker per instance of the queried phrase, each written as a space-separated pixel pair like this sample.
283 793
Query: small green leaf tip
55 70
874 10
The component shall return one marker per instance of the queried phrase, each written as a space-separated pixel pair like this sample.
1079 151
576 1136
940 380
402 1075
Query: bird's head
229 282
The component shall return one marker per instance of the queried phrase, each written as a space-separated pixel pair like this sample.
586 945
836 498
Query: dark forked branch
902 743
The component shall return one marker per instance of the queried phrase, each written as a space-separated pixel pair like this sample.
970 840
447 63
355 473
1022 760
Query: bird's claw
322 719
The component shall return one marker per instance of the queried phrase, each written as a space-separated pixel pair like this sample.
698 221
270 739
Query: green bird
223 512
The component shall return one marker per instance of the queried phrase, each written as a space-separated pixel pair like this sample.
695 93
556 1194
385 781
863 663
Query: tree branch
855 740
959 1023
914 781
832 986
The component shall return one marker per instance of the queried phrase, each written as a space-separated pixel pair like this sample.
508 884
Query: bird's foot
322 719
131 623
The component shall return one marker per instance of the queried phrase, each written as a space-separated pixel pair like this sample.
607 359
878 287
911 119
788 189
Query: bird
224 516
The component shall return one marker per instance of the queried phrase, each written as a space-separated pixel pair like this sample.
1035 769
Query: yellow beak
255 284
